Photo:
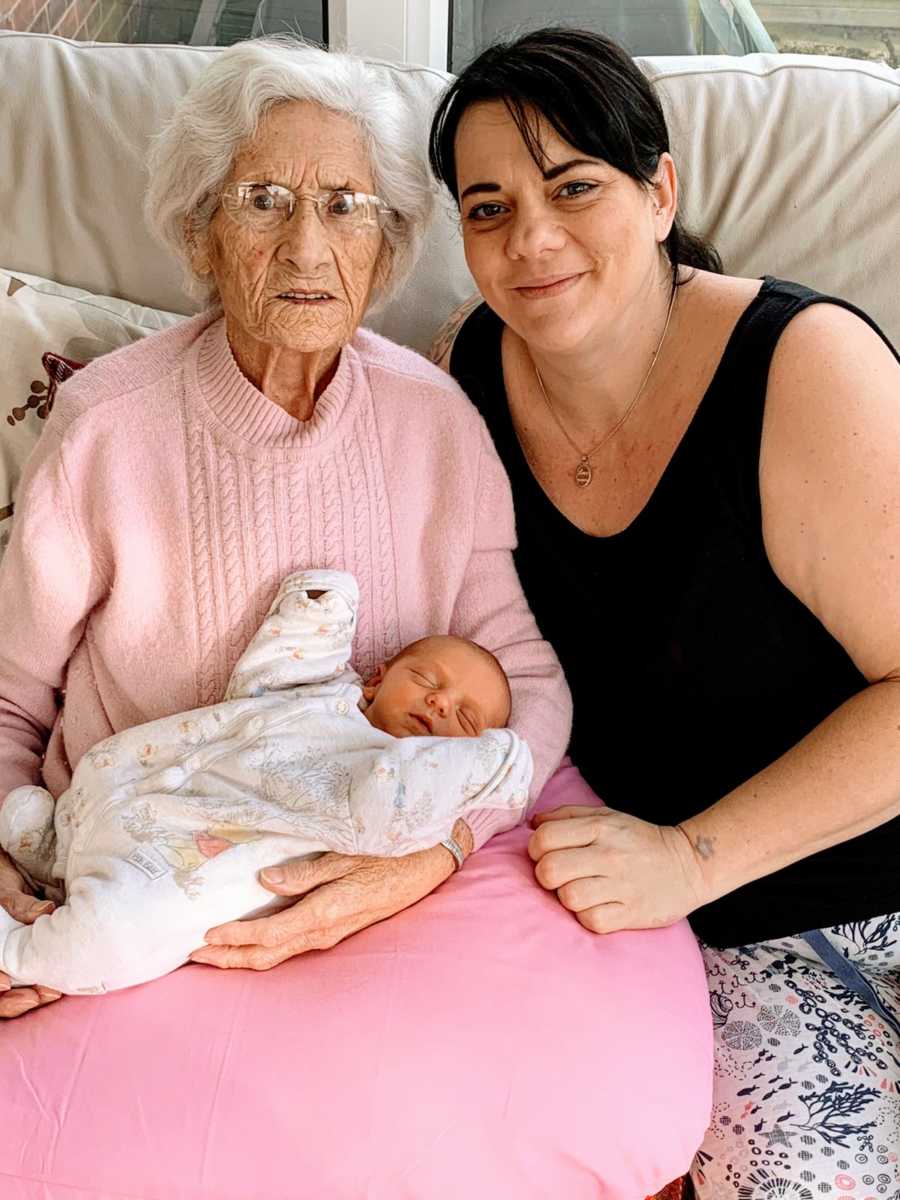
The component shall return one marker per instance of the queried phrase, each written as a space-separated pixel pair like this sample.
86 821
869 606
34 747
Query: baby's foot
27 833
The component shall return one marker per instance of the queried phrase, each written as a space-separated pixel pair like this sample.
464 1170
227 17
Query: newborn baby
165 826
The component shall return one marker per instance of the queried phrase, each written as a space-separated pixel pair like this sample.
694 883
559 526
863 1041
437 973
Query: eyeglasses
265 207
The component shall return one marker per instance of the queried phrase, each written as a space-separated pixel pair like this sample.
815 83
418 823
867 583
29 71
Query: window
867 29
449 33
199 22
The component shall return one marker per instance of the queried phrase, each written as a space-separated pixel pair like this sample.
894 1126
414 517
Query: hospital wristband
456 850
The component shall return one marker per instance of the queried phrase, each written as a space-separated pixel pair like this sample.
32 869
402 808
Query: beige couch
791 164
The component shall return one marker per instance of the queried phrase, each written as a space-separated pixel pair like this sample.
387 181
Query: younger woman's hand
614 871
19 902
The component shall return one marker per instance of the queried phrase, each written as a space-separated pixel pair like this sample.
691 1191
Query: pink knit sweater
166 500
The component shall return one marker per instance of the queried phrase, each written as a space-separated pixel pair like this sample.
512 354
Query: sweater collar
239 406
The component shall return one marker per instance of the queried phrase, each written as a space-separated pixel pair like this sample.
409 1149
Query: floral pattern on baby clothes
185 852
304 639
298 763
308 790
807 1076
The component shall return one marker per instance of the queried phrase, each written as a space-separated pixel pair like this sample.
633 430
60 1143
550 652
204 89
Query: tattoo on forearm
705 846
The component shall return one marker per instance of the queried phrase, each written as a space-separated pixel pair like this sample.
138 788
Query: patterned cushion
673 1191
47 331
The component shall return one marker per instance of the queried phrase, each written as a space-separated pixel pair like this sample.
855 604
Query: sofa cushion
37 316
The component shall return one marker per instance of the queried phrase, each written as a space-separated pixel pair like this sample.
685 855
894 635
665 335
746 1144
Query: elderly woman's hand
614 871
23 906
342 895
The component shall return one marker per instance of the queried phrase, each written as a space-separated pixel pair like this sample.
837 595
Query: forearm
22 746
840 781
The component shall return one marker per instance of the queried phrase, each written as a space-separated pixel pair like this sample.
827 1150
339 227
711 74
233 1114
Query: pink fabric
482 1044
168 498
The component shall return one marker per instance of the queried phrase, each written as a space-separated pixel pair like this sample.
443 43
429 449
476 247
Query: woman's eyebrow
480 187
561 168
551 173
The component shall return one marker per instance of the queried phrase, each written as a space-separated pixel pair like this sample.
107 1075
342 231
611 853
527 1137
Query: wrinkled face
443 688
297 286
556 252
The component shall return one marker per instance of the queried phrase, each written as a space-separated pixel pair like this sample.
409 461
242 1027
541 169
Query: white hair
221 111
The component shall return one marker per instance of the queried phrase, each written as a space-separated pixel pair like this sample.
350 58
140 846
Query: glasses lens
266 206
348 211
260 205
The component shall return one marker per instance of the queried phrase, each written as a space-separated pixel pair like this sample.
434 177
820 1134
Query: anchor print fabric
807 1076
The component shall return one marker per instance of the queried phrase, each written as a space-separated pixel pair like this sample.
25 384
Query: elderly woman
181 479
709 468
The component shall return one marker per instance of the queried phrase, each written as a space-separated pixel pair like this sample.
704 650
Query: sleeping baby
165 826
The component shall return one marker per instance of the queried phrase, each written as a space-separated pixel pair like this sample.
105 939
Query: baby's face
443 687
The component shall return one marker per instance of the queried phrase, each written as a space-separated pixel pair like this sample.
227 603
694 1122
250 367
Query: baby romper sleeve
414 790
306 637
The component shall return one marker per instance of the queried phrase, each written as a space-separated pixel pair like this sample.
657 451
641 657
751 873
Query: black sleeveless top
691 666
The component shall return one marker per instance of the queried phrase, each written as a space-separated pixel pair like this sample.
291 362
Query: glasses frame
233 200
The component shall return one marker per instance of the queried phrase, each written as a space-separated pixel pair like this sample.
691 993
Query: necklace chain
583 473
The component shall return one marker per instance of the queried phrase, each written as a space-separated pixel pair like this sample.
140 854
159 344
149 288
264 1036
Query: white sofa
791 165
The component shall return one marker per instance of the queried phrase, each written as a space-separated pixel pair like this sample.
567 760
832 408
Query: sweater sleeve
48 585
304 639
491 609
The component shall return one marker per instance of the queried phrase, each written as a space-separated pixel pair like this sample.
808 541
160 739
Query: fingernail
273 875
4 986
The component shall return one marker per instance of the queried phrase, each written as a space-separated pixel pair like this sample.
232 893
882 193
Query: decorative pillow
47 331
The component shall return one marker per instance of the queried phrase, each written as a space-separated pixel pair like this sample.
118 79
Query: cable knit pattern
387 630
209 683
266 547
168 498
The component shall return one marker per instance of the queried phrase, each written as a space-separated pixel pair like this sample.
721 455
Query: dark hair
590 91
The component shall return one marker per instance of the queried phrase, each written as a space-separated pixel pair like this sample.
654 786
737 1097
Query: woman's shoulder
134 368
407 373
449 333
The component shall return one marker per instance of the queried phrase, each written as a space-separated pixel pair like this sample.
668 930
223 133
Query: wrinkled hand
342 894
23 906
614 871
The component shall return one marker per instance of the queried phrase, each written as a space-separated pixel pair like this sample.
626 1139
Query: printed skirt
806 1102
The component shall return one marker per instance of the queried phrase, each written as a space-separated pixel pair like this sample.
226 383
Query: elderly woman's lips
305 297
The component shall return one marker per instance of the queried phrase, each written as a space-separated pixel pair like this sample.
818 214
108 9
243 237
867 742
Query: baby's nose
439 701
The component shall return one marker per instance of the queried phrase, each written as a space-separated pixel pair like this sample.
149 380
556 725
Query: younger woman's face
558 253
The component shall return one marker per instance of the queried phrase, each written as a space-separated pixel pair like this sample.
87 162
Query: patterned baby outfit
166 825
807 1075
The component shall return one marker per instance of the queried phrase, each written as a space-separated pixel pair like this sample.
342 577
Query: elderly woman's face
298 286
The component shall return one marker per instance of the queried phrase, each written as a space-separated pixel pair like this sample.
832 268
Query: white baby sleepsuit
165 826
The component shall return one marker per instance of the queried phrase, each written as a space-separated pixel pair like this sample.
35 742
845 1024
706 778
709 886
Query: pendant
583 474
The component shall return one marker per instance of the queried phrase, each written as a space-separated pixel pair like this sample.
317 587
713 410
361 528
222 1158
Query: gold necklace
584 473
